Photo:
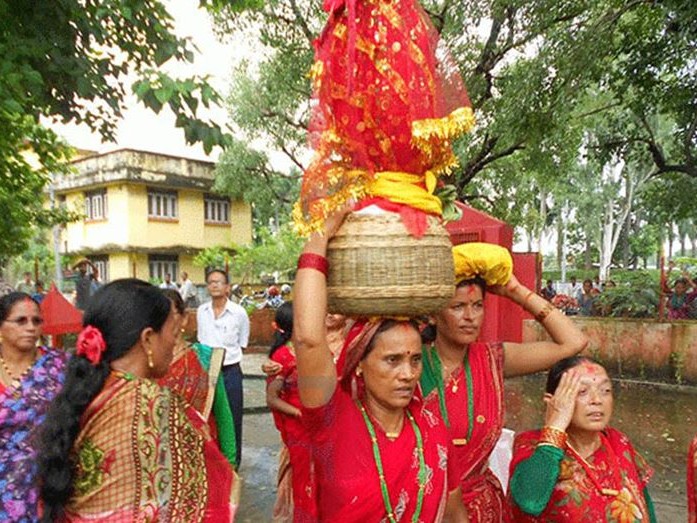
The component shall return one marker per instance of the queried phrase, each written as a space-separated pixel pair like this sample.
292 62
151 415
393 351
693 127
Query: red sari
576 496
691 473
468 466
348 487
294 436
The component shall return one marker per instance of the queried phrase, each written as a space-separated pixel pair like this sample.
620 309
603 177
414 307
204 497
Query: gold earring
150 362
358 371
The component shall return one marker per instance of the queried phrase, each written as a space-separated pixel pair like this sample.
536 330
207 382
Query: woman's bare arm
527 358
274 401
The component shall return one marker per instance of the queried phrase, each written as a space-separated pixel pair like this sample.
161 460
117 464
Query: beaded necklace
588 468
10 378
421 477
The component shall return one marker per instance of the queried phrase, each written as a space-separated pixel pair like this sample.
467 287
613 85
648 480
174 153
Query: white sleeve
244 328
200 326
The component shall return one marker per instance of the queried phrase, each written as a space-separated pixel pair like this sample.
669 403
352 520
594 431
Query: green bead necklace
381 473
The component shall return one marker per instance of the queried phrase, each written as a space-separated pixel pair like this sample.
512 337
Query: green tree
75 61
271 252
528 76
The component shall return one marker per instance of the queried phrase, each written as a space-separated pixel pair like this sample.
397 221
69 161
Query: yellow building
147 214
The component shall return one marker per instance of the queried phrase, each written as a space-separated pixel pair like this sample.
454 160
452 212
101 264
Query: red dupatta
482 494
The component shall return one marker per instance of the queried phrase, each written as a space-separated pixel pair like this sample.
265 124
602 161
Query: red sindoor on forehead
592 368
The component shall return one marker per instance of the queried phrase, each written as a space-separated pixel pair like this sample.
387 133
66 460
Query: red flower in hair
90 344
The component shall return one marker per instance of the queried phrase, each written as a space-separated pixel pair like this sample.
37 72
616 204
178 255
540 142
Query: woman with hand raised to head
464 377
378 454
577 468
115 446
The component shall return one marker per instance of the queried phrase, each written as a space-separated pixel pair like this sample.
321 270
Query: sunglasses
23 320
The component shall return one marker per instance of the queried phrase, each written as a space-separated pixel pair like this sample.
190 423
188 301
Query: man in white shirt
188 291
222 323
168 283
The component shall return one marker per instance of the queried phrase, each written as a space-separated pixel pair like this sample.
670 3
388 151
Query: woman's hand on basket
335 219
561 404
318 241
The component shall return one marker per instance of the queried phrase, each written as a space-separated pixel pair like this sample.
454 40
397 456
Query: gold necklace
11 378
394 434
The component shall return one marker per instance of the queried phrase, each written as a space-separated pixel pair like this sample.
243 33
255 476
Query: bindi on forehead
592 368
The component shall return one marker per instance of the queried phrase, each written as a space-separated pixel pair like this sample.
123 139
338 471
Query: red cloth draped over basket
60 316
387 102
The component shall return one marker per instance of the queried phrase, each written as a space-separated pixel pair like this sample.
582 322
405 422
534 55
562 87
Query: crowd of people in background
576 298
679 295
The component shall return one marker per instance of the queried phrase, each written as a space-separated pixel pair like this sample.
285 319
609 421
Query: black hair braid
83 381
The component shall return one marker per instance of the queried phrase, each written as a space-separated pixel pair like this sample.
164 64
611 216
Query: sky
142 129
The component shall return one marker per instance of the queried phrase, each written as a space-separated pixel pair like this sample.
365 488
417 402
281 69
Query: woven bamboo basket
376 268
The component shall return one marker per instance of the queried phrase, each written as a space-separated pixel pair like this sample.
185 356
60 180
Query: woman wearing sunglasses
30 377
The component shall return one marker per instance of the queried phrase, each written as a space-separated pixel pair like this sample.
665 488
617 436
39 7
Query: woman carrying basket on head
464 378
381 455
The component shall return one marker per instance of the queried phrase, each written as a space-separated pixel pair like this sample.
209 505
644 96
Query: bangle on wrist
552 436
310 260
544 312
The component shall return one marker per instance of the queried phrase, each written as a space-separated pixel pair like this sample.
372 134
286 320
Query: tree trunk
606 243
543 219
625 240
560 240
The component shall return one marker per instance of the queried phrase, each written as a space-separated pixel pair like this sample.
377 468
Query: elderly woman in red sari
30 377
464 377
115 446
577 468
378 456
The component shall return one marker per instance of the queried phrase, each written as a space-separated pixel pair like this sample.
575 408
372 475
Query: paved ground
666 453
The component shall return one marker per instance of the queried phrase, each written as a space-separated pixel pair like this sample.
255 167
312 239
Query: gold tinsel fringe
430 134
312 220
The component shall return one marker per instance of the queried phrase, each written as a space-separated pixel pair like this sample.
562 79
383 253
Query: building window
216 209
101 263
161 264
96 205
162 204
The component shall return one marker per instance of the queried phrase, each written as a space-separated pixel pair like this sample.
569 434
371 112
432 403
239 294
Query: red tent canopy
60 316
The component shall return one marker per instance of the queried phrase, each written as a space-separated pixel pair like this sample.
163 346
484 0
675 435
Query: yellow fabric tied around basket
407 189
492 262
